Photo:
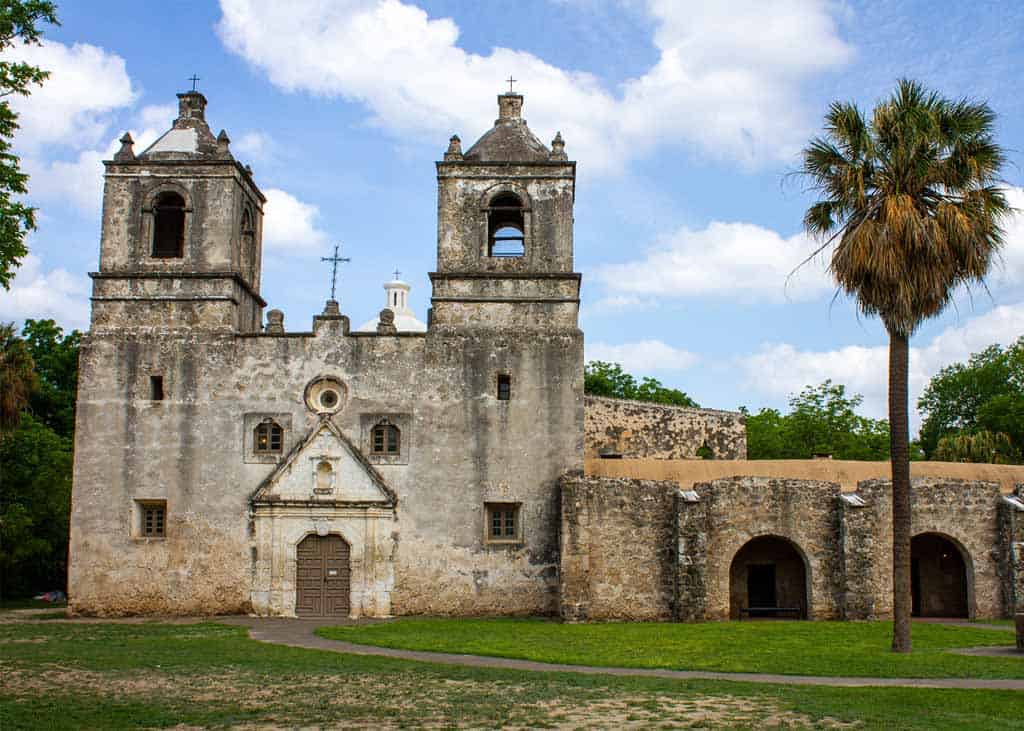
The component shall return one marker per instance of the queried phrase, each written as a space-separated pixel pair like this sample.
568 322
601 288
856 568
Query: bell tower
182 233
505 231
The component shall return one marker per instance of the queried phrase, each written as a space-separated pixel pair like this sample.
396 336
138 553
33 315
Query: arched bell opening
939 577
769 578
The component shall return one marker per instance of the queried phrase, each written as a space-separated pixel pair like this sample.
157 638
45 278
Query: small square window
504 387
268 438
503 524
156 388
152 518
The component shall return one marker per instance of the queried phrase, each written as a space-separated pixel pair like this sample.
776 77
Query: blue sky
684 118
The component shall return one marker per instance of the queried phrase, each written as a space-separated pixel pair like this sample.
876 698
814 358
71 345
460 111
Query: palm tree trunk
899 439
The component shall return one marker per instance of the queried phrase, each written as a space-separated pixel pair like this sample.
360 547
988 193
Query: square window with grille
386 439
503 525
152 518
268 437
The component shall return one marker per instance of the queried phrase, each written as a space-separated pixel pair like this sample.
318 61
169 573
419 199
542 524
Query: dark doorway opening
761 585
768 578
938 577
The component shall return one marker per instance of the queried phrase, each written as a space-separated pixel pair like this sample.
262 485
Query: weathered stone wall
729 513
465 448
617 549
638 429
961 511
1011 550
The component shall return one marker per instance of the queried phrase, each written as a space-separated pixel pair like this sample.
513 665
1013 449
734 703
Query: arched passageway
938 577
768 578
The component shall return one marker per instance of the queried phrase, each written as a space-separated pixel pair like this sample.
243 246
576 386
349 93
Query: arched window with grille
506 227
386 439
268 438
169 226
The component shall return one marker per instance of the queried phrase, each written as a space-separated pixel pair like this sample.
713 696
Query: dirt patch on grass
401 699
693 712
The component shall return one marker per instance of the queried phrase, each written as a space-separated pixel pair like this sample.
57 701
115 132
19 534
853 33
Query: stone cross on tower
334 267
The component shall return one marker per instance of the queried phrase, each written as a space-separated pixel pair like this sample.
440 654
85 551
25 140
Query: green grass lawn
791 648
63 675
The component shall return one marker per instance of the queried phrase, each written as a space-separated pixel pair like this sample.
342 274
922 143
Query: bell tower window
506 227
169 226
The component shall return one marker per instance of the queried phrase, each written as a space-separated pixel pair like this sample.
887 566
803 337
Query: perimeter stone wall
617 549
963 511
638 429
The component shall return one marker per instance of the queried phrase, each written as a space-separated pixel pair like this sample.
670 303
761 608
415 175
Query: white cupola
396 299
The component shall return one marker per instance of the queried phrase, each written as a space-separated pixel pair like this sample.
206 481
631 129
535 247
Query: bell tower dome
505 230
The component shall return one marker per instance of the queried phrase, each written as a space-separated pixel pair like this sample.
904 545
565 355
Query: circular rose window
325 395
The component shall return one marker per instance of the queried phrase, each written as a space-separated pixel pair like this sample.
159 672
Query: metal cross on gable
193 78
510 81
334 266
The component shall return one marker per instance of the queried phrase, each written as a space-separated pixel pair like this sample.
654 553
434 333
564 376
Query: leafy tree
34 505
36 455
822 420
982 446
911 210
17 377
608 379
56 363
987 392
19 23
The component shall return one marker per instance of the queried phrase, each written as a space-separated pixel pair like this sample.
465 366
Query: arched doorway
322 577
938 577
768 578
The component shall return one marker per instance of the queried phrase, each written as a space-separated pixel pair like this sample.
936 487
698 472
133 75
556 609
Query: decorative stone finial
331 309
558 148
275 322
510 107
454 151
126 153
248 170
386 326
223 143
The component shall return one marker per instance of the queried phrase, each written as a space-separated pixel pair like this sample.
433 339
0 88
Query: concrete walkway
299 633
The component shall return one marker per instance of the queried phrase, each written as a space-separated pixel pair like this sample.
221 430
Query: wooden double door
323 577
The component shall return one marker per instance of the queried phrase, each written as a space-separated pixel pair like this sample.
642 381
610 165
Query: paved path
299 633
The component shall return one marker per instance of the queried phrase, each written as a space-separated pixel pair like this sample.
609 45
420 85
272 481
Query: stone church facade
225 464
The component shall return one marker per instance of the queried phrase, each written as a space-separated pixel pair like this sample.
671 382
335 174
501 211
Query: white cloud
780 369
80 180
736 260
55 294
1010 272
288 223
71 108
727 78
255 146
643 356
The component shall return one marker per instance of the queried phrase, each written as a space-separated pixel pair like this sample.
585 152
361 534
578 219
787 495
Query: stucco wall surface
847 473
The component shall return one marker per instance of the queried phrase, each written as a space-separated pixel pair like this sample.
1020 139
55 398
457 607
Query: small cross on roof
510 81
193 78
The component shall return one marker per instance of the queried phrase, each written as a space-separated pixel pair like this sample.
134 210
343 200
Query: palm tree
17 377
911 210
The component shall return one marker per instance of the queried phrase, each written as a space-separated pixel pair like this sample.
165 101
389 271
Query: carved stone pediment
324 468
